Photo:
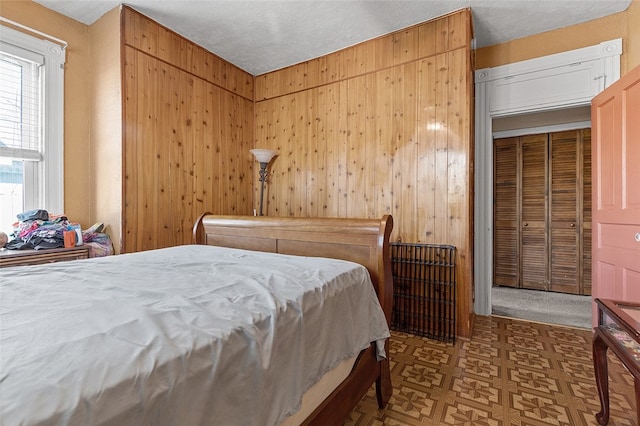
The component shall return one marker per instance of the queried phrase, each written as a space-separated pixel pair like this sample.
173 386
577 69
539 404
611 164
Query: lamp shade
263 155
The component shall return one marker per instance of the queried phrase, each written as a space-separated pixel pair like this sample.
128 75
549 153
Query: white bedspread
188 335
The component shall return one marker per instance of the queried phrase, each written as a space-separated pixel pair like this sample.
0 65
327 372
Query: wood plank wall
381 127
188 128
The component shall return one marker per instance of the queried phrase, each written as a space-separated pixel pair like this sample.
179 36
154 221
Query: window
31 125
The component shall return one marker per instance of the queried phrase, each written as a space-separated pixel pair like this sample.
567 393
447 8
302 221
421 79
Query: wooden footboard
364 241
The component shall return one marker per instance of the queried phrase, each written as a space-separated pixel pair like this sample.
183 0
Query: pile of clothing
99 241
37 229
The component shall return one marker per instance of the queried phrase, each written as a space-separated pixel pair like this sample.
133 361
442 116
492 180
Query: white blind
20 103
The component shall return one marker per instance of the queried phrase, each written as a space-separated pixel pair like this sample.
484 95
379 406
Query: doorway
563 80
542 223
542 212
542 306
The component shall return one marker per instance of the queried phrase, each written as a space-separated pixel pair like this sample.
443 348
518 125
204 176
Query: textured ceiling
263 35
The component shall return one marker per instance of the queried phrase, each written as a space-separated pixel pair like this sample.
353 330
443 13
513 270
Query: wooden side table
619 329
36 257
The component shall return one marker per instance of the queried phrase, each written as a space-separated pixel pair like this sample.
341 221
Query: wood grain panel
458 32
405 45
357 136
186 150
381 174
406 157
427 41
163 155
335 147
381 127
140 32
188 127
205 169
459 159
427 129
158 41
440 35
384 51
441 205
460 165
364 137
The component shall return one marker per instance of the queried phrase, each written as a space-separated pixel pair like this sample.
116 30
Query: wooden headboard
364 241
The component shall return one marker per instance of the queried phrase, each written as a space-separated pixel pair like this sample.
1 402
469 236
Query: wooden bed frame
365 241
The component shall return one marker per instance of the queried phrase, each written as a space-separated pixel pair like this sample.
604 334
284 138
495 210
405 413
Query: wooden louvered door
533 214
506 213
542 212
565 213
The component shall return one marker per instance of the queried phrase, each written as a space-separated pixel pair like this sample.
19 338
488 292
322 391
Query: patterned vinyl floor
510 372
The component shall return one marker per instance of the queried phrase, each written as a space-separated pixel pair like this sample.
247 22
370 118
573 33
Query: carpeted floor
542 306
509 373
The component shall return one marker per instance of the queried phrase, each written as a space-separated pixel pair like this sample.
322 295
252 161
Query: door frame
563 80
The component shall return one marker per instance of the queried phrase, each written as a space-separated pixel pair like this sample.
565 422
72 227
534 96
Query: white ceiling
264 35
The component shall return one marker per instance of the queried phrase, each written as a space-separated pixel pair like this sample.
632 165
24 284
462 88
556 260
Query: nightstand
36 257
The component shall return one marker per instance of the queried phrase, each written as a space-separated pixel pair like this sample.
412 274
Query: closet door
542 212
506 236
533 244
565 216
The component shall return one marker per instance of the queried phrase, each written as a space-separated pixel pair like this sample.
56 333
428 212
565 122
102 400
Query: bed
164 336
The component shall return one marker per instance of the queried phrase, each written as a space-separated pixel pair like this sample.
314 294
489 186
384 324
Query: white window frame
44 180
